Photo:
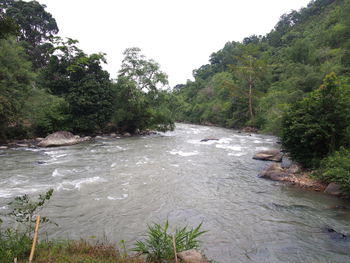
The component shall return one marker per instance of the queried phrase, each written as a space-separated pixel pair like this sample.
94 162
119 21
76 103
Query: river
113 188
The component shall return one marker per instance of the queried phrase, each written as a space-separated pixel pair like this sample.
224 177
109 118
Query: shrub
336 168
158 246
13 244
317 126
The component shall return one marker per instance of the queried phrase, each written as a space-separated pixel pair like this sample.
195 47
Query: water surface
114 188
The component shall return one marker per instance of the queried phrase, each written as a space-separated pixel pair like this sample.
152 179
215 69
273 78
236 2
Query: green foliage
15 82
47 113
158 246
36 28
8 26
141 102
13 244
317 125
78 78
336 168
280 68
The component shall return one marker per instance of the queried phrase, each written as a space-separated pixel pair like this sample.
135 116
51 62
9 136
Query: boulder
333 189
209 139
192 256
126 134
3 147
292 175
274 172
60 138
269 155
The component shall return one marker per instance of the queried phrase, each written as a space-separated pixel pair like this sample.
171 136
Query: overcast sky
179 34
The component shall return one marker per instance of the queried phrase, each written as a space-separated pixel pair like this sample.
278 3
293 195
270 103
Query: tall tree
141 103
36 28
144 72
248 71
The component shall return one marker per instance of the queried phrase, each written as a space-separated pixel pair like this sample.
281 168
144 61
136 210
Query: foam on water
262 148
123 196
184 154
55 173
229 147
76 184
236 154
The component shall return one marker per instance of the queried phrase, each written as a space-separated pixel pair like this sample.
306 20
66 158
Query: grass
80 252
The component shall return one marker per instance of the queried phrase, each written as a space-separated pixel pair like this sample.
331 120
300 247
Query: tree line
48 83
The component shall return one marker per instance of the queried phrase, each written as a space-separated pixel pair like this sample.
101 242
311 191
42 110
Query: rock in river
60 138
209 139
269 155
333 189
192 256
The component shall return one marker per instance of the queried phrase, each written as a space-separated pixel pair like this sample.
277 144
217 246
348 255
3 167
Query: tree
36 28
81 81
249 70
7 24
144 72
318 125
141 103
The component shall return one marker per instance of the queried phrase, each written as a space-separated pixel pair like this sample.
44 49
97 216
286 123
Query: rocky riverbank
284 170
64 138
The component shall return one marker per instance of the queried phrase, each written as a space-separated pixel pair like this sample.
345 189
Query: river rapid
113 188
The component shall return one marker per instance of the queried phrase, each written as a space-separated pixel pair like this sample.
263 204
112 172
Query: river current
113 188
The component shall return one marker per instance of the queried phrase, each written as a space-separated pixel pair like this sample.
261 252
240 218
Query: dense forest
292 82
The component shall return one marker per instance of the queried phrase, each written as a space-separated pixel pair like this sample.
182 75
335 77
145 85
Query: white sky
179 34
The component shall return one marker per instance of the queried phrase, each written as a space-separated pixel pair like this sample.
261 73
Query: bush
317 126
158 246
13 244
336 168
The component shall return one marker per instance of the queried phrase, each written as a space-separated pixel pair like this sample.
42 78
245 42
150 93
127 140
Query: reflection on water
116 187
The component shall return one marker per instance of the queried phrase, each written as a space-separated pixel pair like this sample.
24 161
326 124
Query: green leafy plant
24 209
13 244
336 168
158 246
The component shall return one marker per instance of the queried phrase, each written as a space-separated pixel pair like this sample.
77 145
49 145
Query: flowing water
114 188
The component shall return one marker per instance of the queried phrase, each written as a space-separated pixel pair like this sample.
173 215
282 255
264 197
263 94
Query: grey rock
60 138
192 256
269 155
3 147
209 139
333 189
274 172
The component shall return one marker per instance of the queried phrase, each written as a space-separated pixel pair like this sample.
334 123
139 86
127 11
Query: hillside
255 81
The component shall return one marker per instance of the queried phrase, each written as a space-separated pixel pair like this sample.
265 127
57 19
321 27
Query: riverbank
283 169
